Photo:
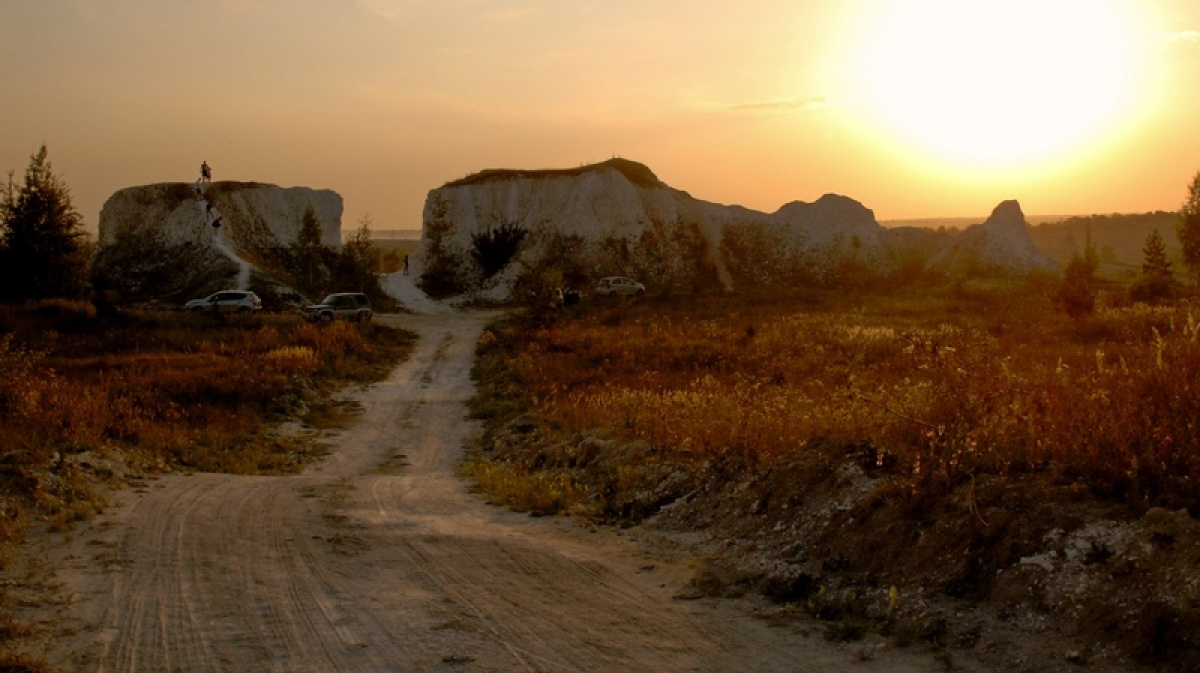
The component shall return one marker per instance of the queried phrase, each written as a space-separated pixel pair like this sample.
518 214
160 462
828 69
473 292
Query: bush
492 250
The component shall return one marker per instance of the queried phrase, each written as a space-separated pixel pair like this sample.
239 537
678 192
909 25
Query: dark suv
344 305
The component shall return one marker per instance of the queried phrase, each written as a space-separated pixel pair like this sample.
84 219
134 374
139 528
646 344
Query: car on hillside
354 306
619 286
226 301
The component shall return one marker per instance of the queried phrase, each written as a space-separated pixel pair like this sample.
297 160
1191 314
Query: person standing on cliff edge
205 172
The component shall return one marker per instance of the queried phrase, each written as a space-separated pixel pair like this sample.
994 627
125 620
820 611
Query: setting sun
999 82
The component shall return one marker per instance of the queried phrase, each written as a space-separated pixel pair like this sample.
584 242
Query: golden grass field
941 383
152 392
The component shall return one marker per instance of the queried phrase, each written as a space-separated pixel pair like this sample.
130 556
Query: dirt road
378 559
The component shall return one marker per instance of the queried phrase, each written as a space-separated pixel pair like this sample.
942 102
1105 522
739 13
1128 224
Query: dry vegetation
957 425
982 379
85 400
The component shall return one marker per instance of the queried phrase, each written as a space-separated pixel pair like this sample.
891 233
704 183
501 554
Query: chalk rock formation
618 198
633 223
158 242
619 201
832 220
1003 241
252 214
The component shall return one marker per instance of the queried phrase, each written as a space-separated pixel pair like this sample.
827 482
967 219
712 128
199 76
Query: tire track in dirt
378 559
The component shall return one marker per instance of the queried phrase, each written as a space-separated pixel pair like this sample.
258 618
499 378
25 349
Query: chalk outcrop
252 214
1002 242
620 198
832 220
169 241
621 205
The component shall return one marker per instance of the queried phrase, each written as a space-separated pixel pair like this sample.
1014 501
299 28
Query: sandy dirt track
378 559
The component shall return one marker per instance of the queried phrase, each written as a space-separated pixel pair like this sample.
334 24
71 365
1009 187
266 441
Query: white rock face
832 220
251 213
621 199
1002 241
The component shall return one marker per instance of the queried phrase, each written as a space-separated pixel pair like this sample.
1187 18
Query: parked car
340 305
619 286
226 301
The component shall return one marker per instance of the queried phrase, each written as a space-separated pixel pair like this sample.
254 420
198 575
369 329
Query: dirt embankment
1016 574
378 559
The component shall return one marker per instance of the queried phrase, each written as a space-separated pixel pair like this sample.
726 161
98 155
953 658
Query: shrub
493 249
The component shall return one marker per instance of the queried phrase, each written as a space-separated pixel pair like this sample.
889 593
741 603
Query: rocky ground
1012 574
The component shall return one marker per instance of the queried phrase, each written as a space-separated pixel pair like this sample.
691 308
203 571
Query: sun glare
999 82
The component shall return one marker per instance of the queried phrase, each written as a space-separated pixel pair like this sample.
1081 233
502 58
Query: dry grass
943 384
545 492
83 400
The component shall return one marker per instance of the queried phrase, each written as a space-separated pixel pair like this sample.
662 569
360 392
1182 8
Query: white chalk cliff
252 214
174 240
1003 241
622 199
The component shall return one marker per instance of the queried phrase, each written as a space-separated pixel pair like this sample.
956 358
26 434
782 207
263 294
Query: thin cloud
514 13
1182 36
388 10
786 105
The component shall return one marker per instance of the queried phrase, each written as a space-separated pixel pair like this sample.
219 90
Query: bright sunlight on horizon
1003 82
915 108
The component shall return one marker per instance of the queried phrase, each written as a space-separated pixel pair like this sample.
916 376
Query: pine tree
307 253
43 249
1157 281
1189 228
360 261
1155 263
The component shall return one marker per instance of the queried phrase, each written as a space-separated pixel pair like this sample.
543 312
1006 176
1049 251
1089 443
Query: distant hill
952 223
1118 238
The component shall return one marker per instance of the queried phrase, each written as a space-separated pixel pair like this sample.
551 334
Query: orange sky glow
916 108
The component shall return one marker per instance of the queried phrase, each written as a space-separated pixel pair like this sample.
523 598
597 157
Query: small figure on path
205 172
406 264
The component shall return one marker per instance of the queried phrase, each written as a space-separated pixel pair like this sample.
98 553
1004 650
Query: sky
916 108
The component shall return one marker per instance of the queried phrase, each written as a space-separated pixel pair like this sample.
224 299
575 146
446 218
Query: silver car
226 301
619 286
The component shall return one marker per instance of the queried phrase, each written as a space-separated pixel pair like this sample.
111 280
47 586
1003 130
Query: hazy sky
917 108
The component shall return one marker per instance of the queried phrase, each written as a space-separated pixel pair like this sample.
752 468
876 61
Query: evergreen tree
43 251
1157 281
359 262
1155 262
1189 228
308 253
442 262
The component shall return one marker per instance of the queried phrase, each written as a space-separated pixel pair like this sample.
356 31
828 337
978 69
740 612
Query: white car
619 286
226 301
